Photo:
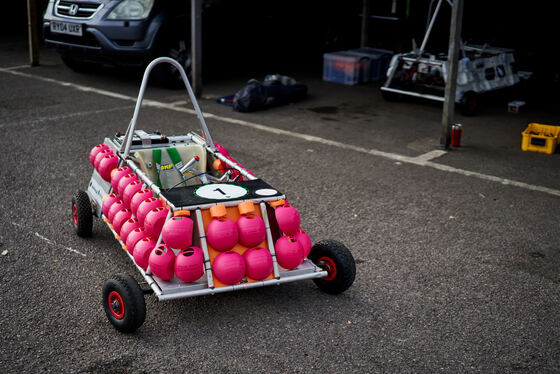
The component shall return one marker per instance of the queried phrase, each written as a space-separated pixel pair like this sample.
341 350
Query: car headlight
132 9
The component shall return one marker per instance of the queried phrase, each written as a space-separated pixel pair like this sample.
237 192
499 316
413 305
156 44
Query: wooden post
196 46
33 31
451 84
365 23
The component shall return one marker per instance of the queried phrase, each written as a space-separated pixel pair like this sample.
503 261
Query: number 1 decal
221 191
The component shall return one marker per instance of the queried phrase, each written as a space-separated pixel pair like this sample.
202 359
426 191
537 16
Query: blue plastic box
378 60
346 68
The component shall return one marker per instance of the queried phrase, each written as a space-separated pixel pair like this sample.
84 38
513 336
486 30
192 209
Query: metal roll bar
127 142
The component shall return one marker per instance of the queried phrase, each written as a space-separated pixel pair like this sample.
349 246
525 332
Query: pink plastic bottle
221 232
145 207
177 232
229 267
125 181
189 264
107 201
99 156
142 250
288 218
120 217
258 263
303 239
107 165
127 227
251 227
289 252
162 261
130 191
115 207
138 199
95 150
133 237
117 175
154 221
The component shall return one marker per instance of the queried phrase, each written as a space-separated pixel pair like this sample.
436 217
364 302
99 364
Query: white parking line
64 116
430 155
52 242
17 67
422 160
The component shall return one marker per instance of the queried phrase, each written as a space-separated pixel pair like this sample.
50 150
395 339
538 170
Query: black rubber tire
166 75
82 216
469 104
132 298
342 275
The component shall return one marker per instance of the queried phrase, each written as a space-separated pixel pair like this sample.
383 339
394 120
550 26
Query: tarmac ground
457 252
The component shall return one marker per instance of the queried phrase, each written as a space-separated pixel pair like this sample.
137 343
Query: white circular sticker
220 191
266 192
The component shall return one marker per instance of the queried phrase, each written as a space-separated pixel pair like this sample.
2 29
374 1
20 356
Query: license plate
66 28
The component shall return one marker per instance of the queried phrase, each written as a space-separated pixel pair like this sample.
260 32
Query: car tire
337 260
82 215
124 304
167 75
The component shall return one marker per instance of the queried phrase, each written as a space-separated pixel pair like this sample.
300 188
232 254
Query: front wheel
337 260
123 301
82 216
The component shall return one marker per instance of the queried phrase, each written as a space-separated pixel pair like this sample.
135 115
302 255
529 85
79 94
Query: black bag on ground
258 95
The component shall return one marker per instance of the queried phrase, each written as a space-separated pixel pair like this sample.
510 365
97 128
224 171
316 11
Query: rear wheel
123 301
82 216
337 260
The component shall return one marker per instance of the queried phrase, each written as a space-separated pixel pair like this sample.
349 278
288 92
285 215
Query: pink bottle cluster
294 246
248 230
139 218
103 160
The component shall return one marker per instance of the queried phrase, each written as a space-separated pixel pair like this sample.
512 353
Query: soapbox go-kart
194 221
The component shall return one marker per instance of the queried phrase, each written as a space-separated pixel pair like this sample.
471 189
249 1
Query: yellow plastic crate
540 138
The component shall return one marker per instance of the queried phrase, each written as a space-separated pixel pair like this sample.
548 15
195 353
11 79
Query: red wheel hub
116 305
75 214
327 264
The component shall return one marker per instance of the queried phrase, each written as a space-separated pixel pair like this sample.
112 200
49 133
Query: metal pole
365 23
429 30
196 46
451 82
33 30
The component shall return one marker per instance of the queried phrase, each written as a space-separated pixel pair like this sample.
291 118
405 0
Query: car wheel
167 75
82 216
337 260
124 304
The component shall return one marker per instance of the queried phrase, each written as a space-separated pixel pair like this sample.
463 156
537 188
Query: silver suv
126 33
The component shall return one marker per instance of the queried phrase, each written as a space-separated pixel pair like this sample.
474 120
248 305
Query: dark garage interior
249 36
